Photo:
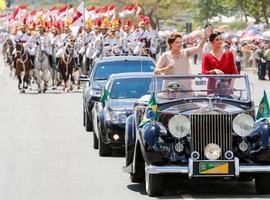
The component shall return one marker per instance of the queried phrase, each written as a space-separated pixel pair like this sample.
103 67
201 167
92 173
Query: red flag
53 8
17 10
91 8
65 8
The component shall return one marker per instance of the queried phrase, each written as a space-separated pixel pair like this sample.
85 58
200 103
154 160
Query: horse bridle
22 53
68 54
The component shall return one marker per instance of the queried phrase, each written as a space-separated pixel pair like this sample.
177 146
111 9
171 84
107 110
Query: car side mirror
84 78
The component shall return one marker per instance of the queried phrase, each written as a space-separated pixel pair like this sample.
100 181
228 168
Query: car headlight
243 124
212 151
179 126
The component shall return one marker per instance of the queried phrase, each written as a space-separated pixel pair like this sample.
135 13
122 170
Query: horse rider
42 38
101 44
66 34
115 42
22 37
64 38
142 37
118 31
55 44
86 37
128 40
143 33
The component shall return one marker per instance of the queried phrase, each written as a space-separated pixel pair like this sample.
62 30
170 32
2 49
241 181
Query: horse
42 67
23 64
66 65
54 70
7 50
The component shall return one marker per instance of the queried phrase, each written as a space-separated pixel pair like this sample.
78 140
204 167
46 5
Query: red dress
225 64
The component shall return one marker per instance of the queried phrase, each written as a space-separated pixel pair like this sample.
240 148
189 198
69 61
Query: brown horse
23 64
7 50
66 65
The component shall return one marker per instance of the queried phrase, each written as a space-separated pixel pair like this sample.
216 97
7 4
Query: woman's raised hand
208 30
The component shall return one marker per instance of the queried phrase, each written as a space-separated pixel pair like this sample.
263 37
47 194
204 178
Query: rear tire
154 184
262 182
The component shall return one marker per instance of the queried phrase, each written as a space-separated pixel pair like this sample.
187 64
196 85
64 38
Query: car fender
130 134
261 131
149 138
101 124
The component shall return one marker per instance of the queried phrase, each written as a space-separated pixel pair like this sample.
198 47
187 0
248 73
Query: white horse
42 67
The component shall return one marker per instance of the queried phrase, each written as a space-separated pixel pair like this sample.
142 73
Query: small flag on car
150 111
263 110
105 94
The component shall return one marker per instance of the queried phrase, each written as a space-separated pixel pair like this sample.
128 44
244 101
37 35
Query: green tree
206 9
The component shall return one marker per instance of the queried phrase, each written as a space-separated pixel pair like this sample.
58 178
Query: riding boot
32 61
80 59
57 63
50 61
78 62
14 63
87 62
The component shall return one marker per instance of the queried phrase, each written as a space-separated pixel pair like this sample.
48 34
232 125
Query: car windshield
232 87
127 88
105 69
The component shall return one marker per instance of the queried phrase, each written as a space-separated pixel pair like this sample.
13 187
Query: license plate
213 168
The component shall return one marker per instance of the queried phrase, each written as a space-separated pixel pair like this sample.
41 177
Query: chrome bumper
189 169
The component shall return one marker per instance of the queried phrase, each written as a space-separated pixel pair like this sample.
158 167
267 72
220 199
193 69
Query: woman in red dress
218 60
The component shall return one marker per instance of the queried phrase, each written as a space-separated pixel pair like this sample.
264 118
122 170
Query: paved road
45 154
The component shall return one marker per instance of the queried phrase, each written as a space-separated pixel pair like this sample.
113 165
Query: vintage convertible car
204 127
100 73
109 116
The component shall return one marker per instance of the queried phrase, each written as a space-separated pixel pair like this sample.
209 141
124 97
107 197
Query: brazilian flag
263 110
150 111
105 94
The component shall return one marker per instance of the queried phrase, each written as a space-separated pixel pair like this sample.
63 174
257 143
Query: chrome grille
214 128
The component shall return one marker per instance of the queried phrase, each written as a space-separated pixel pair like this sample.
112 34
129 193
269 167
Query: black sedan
101 71
109 116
